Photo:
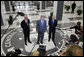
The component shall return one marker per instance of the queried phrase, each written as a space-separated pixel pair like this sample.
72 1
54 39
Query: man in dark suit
73 7
25 24
41 27
52 24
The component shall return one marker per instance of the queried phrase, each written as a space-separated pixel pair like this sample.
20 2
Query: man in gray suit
41 27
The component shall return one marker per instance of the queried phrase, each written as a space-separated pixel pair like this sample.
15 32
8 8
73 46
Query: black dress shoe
41 42
37 42
26 44
29 41
48 40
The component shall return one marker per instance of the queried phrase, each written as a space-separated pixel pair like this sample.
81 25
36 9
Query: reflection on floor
15 39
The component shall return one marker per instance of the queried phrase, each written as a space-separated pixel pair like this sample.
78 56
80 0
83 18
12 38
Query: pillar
7 7
42 5
59 10
55 8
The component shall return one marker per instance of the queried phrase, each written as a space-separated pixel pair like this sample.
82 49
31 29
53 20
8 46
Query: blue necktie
52 21
42 23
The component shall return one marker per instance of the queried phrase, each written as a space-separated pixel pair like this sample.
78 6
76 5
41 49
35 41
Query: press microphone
20 13
10 21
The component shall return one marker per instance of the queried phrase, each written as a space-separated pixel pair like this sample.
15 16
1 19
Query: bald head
25 17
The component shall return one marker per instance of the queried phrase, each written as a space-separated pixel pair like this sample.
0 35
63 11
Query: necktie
41 22
53 21
26 22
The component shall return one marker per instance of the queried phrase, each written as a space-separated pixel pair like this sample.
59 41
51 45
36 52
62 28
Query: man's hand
63 53
67 28
76 42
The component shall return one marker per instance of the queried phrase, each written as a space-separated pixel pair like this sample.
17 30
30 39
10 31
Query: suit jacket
25 27
39 28
52 26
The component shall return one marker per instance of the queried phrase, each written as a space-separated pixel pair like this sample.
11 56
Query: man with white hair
25 24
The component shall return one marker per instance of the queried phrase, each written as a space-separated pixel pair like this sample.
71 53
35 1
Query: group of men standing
41 28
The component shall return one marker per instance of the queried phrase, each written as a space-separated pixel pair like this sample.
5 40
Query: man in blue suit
41 27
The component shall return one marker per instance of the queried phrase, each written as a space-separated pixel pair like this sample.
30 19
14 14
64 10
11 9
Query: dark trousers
72 10
40 37
26 37
52 33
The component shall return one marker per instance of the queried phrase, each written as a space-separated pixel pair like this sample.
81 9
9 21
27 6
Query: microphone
20 13
10 21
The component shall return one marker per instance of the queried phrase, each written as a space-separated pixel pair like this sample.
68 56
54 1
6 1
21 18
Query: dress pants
40 37
72 10
52 33
26 37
